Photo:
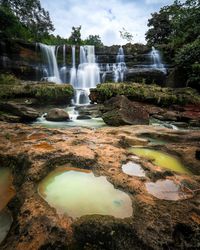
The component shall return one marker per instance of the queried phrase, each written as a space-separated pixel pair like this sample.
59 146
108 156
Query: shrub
8 79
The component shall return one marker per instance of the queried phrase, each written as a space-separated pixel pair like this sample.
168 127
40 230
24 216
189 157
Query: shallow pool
166 190
161 159
133 169
76 192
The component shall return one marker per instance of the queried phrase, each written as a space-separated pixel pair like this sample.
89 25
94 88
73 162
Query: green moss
148 93
58 94
43 92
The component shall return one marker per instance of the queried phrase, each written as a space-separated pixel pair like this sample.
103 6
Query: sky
103 17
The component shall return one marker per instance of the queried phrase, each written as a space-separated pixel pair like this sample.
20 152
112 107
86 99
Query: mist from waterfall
156 60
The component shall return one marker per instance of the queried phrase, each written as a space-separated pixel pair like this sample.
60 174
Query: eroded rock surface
32 152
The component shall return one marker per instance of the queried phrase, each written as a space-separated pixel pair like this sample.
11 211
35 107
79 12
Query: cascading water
87 76
73 69
156 60
50 70
63 70
120 67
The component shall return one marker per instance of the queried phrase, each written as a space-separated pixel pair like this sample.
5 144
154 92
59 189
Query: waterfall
156 60
50 70
63 70
119 68
73 77
87 76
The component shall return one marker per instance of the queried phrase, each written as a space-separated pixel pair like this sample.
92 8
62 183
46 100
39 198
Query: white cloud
104 18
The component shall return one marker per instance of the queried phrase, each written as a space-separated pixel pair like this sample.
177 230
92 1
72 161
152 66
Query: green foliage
54 40
148 93
186 23
126 35
26 19
177 24
75 37
161 27
8 79
93 40
10 26
188 58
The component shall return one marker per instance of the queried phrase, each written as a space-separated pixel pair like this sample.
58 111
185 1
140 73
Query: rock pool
134 169
76 192
161 159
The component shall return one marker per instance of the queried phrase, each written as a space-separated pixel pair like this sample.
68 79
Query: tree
161 26
75 37
94 40
188 58
126 35
177 24
31 15
10 26
186 23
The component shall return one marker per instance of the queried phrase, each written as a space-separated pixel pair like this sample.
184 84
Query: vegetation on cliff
146 93
44 92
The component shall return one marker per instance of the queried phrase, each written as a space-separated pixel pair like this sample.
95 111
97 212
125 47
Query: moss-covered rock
145 93
44 93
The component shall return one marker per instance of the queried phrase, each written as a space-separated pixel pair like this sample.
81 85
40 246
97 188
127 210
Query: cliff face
25 61
19 58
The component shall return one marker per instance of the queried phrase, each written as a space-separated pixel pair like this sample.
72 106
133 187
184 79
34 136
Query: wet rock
9 118
22 112
92 110
84 117
57 115
120 111
105 232
170 116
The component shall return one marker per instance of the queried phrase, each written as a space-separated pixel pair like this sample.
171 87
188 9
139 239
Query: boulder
120 111
25 114
57 115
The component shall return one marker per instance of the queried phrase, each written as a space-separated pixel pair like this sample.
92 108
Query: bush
8 79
